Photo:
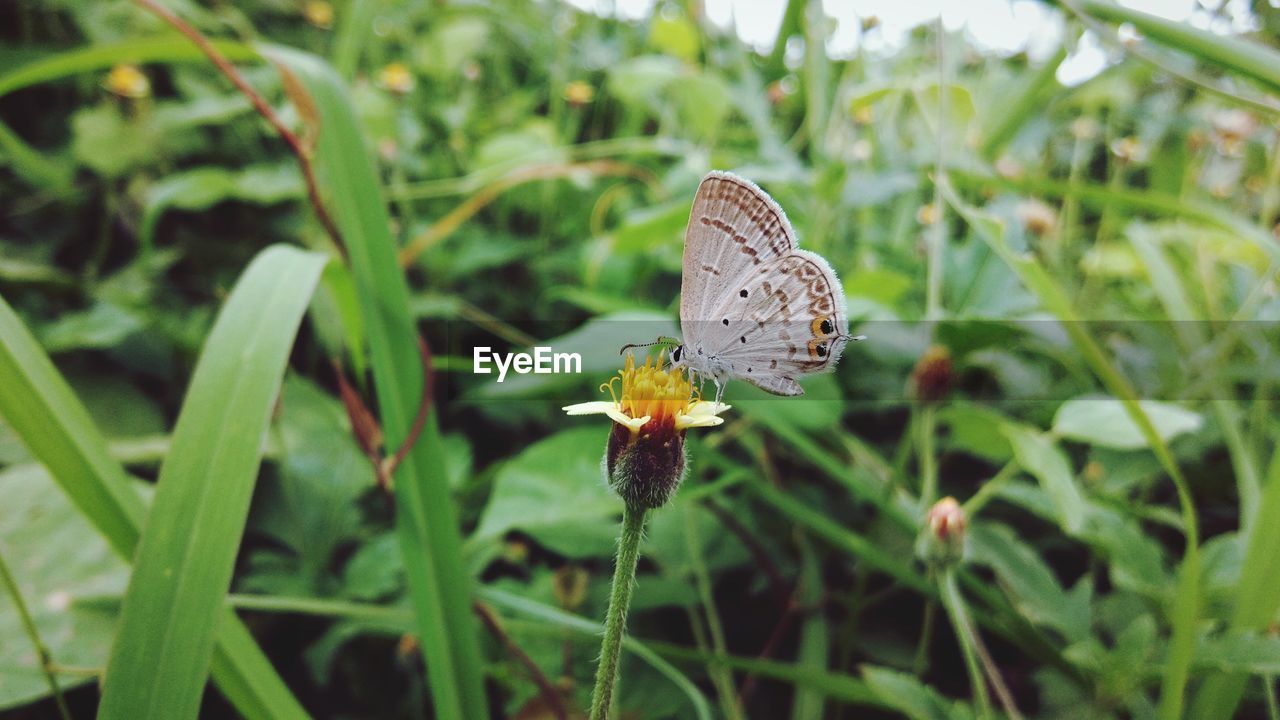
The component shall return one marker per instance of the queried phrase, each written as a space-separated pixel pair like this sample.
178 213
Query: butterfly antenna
662 339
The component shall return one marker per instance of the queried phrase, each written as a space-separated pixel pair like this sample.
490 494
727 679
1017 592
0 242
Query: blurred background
984 177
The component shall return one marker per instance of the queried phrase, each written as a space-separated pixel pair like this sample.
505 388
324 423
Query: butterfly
753 305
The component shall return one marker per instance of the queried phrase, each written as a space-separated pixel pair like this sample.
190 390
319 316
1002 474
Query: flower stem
624 577
964 633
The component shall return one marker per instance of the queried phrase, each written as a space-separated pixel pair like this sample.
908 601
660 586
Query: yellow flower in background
127 81
652 407
578 93
396 78
319 13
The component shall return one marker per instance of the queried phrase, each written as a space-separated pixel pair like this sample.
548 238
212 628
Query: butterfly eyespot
748 369
821 327
726 322
817 349
743 339
826 327
742 293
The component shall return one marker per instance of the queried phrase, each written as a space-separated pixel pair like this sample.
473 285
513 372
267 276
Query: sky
1006 26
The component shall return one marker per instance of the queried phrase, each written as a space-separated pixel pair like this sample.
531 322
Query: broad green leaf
203 187
188 547
1104 422
102 326
57 559
1029 581
906 694
553 491
1043 459
1252 653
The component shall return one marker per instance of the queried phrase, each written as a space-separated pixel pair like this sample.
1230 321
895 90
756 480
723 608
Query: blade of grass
1022 106
426 519
1186 607
53 424
1257 597
188 547
1156 203
41 408
1235 55
65 63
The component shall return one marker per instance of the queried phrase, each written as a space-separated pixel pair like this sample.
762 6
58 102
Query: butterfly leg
719 391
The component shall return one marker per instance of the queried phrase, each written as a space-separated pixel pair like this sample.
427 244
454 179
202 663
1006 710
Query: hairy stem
624 579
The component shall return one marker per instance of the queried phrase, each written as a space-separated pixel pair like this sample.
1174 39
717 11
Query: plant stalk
42 651
624 580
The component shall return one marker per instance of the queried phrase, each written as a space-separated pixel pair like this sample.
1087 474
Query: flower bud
931 378
943 539
645 468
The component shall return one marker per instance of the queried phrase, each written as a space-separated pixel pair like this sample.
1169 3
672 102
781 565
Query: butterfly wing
785 319
734 229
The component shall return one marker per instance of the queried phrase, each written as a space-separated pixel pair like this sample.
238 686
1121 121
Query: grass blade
1022 107
188 548
426 519
174 48
1236 55
1257 596
42 409
38 404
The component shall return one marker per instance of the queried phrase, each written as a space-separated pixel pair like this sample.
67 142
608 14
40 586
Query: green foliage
1099 261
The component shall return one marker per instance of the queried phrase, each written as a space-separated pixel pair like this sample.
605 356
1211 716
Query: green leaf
1043 459
59 559
906 694
1030 583
553 491
41 408
188 548
105 325
203 187
1104 422
1253 653
376 570
426 519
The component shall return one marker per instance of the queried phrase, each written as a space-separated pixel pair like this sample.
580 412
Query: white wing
734 228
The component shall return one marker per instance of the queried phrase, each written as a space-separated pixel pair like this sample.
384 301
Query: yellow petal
590 408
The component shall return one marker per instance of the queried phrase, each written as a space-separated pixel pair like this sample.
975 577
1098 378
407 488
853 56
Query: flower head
652 407
127 81
319 13
396 78
579 93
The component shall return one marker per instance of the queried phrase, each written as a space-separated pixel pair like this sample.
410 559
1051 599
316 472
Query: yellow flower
650 394
127 81
652 407
319 13
578 93
396 78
